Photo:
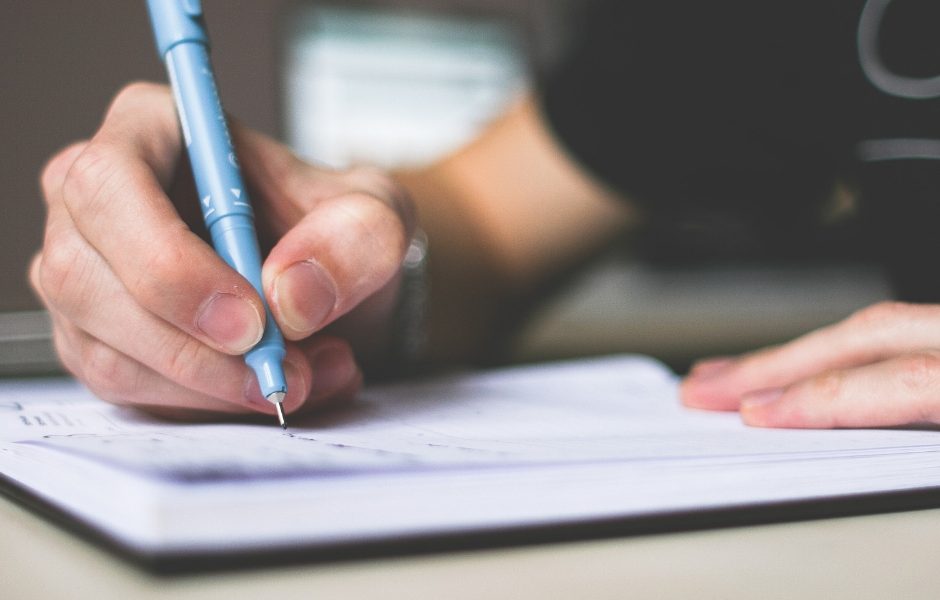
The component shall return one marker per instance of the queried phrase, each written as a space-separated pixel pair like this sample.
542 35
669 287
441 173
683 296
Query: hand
144 311
880 367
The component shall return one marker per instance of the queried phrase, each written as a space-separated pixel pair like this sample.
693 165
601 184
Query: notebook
585 447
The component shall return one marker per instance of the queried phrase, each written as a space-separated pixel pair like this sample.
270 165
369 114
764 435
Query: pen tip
277 398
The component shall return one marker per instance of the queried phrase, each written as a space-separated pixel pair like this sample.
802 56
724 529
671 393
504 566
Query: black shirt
730 121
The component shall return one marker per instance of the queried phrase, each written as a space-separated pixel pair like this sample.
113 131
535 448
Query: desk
878 557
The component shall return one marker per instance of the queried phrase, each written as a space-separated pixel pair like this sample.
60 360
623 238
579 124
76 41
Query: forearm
466 280
503 215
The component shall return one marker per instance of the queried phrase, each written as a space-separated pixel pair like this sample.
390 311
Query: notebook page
615 409
551 443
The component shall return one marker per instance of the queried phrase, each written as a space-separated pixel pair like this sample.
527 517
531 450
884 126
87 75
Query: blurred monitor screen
394 88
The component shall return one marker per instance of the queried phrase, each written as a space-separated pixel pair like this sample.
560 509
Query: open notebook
527 449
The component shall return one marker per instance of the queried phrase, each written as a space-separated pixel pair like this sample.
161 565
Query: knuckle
160 270
108 372
383 186
381 229
918 372
54 172
33 274
380 222
59 269
881 314
137 92
88 176
827 386
185 360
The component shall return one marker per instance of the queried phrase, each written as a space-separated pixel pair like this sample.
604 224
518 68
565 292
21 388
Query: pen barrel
223 198
205 133
235 241
176 21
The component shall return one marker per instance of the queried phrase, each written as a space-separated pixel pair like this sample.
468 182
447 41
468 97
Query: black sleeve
730 121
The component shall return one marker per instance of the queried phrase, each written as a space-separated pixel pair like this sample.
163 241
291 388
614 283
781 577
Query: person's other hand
144 311
880 367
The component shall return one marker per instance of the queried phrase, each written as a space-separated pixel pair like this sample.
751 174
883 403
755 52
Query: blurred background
393 83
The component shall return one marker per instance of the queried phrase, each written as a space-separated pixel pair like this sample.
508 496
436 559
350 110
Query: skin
504 215
879 367
147 315
123 253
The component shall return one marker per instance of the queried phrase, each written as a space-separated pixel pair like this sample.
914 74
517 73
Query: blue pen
184 46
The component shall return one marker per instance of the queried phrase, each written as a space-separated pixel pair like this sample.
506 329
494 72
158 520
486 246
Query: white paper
557 443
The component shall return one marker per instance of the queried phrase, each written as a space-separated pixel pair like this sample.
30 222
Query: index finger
114 194
872 334
898 391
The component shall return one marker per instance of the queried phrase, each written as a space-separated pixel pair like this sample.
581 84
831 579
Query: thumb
341 252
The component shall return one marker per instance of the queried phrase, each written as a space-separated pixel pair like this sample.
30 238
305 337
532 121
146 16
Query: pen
184 46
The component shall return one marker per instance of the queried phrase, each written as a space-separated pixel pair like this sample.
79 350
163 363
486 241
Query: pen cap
176 21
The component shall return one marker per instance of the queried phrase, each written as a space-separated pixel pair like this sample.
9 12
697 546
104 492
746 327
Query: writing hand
144 311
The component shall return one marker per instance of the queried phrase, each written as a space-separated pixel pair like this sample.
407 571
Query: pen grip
234 239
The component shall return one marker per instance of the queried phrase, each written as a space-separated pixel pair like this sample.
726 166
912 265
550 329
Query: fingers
873 334
126 325
147 314
290 187
154 375
120 379
900 391
345 249
343 234
877 368
336 378
141 122
112 194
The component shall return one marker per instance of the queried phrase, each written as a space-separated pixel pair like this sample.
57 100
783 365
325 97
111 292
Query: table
877 556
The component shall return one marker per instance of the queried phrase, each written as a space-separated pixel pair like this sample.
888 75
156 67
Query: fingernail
296 389
333 368
761 398
232 322
305 295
